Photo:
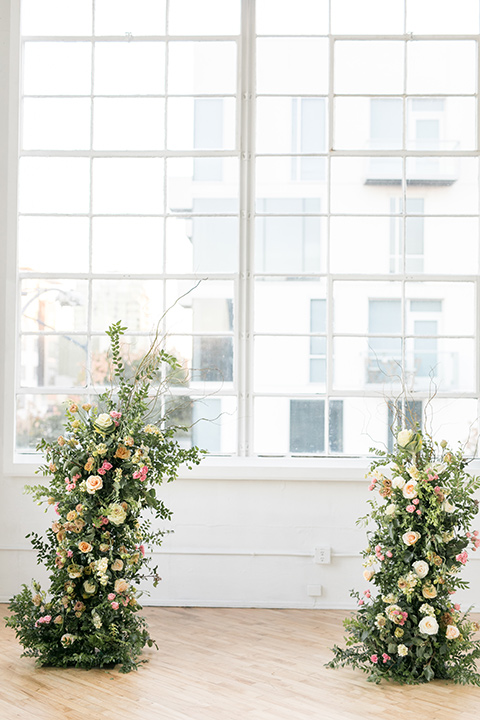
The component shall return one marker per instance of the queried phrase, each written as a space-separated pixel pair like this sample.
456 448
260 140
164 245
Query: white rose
452 632
411 537
410 489
390 510
448 507
421 568
103 421
428 625
404 437
398 482
368 575
402 650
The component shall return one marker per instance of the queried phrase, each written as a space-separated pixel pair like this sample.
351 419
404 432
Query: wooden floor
224 664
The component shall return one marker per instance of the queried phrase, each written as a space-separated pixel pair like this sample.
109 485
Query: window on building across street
296 184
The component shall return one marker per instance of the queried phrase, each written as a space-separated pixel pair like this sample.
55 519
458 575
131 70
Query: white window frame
245 465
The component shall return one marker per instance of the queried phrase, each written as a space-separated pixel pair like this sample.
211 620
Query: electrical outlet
314 590
322 555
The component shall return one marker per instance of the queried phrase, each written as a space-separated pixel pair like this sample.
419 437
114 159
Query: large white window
299 180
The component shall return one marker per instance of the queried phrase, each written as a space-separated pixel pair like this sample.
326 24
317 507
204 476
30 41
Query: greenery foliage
406 627
103 472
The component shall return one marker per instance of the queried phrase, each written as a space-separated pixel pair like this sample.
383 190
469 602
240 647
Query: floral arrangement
407 627
102 476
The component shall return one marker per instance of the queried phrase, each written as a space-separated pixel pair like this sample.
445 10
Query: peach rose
94 483
428 591
121 585
117 565
84 546
411 537
368 574
452 632
410 489
122 452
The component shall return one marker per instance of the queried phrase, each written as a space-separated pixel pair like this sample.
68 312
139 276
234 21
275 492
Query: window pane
363 363
129 124
56 17
440 235
456 420
58 305
442 16
121 244
369 67
366 244
440 364
201 124
449 185
202 68
286 186
202 244
53 244
56 124
360 186
283 305
454 309
53 360
441 66
137 303
354 311
441 123
202 185
290 244
129 68
291 125
273 365
378 123
280 17
40 416
205 307
128 185
57 68
370 17
119 17
54 185
307 426
205 17
292 66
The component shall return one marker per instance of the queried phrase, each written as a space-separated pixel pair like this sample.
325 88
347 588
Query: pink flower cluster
475 540
106 466
373 483
374 658
462 557
141 474
432 476
71 484
43 620
116 417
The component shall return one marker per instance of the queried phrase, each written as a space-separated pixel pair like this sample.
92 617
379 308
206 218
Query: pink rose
111 596
115 605
374 658
410 508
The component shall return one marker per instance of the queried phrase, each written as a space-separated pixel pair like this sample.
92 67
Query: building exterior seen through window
296 183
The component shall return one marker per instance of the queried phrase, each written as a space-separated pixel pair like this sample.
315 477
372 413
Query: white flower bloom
103 421
390 510
448 507
398 482
452 632
421 568
428 625
404 437
410 489
427 609
402 650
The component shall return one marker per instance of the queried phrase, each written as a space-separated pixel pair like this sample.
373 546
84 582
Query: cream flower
103 422
398 482
429 592
117 565
421 568
411 537
428 625
84 547
94 483
402 650
404 437
410 489
121 585
448 507
368 574
116 514
390 510
452 632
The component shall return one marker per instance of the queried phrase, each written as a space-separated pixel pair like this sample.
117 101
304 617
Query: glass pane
204 359
202 185
127 245
53 244
137 303
54 124
441 365
122 17
378 123
202 68
449 185
355 312
58 305
360 186
129 68
54 185
296 425
370 17
56 17
366 424
202 244
129 124
283 305
363 363
442 16
290 244
273 365
208 17
40 416
366 245
211 422
441 66
292 66
57 68
441 123
53 360
201 124
375 66
291 125
450 305
291 185
281 17
439 236
203 307
456 421
128 185
132 349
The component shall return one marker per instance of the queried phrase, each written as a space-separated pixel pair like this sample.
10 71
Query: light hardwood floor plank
225 664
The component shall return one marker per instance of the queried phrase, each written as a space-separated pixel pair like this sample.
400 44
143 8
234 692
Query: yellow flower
71 515
428 591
